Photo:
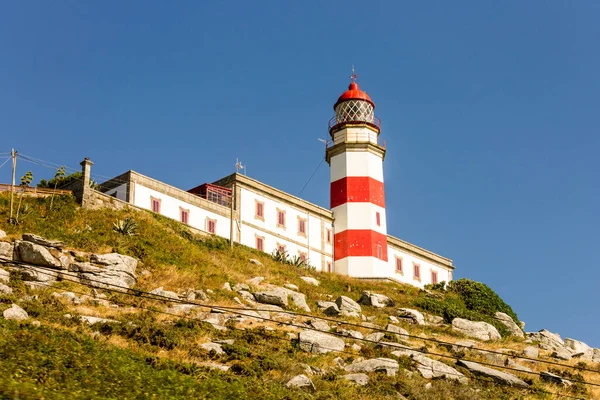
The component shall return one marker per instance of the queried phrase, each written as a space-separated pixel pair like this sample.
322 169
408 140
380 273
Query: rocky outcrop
15 313
531 352
4 276
579 349
375 300
375 364
433 369
411 316
498 376
36 254
508 322
319 324
300 381
478 330
7 250
278 296
547 339
320 343
114 271
30 237
401 334
5 290
348 307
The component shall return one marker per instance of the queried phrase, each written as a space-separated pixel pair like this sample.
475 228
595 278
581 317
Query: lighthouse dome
354 106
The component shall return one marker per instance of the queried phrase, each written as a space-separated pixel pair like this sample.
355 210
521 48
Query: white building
350 238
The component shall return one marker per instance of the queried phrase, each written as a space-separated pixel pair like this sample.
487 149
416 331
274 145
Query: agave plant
280 256
127 227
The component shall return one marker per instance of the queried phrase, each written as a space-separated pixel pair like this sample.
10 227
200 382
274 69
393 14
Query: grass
150 355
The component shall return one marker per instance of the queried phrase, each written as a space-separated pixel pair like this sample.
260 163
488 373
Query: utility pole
13 154
231 216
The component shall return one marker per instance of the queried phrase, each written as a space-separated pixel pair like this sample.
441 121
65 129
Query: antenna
353 76
324 141
238 166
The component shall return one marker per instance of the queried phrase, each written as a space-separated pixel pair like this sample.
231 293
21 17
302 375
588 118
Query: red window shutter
328 236
399 265
281 218
259 244
259 210
434 278
417 271
301 226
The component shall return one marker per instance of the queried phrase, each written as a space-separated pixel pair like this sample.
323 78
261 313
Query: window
434 278
301 226
379 251
416 271
378 218
399 265
280 218
260 243
302 256
259 212
211 225
184 215
328 266
328 236
155 203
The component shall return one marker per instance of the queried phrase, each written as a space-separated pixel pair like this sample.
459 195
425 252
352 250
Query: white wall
120 192
170 207
408 261
356 163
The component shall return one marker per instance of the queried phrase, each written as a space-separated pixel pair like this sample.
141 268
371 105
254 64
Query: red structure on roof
214 193
354 93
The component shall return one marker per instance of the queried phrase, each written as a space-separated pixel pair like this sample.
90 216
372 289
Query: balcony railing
356 137
335 121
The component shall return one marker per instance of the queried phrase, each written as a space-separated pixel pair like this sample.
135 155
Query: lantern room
354 107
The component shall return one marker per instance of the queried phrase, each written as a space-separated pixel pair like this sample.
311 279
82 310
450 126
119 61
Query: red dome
354 93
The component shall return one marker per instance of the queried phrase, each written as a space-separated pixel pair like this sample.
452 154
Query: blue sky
489 110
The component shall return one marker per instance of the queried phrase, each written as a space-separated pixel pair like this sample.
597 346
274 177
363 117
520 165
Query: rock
552 378
350 333
596 356
507 321
275 296
4 276
478 330
375 336
332 311
36 323
359 379
241 286
339 361
346 304
114 271
320 343
30 237
323 305
356 347
431 369
401 334
291 286
256 281
462 345
319 324
227 286
494 358
213 347
577 347
310 280
498 376
2 234
160 292
411 316
15 313
531 352
7 250
547 339
428 386
375 300
562 354
185 309
35 254
312 370
512 364
95 320
35 274
298 299
214 365
72 297
200 295
375 364
300 381
255 261
393 319
5 290
247 296
433 319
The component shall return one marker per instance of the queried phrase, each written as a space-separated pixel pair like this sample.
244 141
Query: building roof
353 93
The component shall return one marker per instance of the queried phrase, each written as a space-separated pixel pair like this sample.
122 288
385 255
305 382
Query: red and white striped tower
357 197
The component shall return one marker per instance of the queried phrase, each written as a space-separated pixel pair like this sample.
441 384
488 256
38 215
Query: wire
152 296
313 174
5 162
263 334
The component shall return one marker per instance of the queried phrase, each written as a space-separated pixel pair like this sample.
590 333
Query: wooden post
13 154
231 216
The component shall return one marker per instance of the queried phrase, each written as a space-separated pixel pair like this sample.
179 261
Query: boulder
596 356
503 378
478 330
247 296
359 379
508 322
119 261
7 250
512 364
160 292
350 333
15 313
300 381
255 261
552 378
291 286
531 352
213 347
547 339
562 354
401 334
375 300
96 320
257 280
375 336
227 286
4 276
332 311
2 234
35 274
347 305
241 286
275 297
320 343
298 299
214 365
30 237
579 349
36 254
323 305
310 280
433 369
375 364
433 319
113 271
411 316
5 290
462 345
319 324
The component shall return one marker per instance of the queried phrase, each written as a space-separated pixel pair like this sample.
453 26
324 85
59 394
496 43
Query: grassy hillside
151 353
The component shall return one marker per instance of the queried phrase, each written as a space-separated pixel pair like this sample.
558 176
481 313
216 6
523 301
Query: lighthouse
357 198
